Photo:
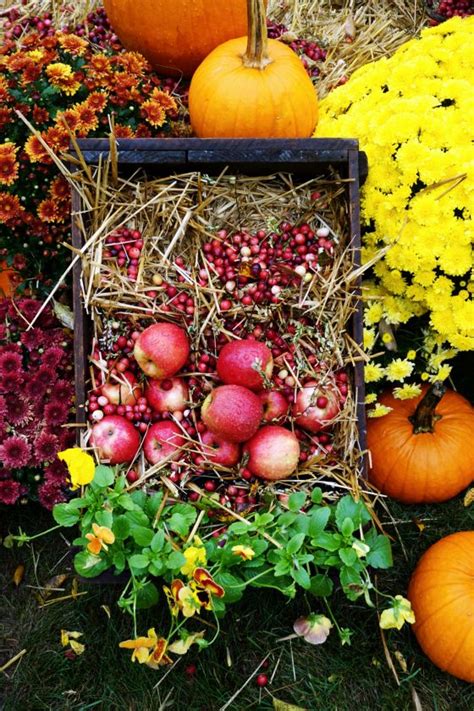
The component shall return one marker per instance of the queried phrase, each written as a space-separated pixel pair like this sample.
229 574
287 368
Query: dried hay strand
177 216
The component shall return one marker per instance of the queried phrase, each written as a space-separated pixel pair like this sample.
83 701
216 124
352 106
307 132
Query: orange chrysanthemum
72 44
5 116
40 115
35 150
88 119
30 74
142 131
47 210
164 99
8 164
71 117
70 86
58 138
153 112
17 62
58 72
97 101
4 94
59 189
123 131
9 207
133 63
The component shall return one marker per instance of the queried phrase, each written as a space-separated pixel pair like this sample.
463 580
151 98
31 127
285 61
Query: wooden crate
301 157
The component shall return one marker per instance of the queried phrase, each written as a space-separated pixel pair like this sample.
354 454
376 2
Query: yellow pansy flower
195 557
245 552
396 616
100 539
81 466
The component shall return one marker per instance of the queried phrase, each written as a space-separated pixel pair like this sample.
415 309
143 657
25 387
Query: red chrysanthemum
9 207
63 390
50 493
15 452
10 362
56 413
10 491
46 447
97 101
123 131
48 210
18 409
52 357
32 339
40 115
153 112
59 189
5 116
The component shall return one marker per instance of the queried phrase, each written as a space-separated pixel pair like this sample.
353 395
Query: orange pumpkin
422 451
441 592
253 88
176 35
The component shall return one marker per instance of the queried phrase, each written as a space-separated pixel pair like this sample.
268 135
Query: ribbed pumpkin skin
426 467
176 35
441 592
230 100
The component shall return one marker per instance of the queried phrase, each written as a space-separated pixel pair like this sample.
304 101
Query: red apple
273 453
232 412
243 362
167 395
161 350
275 405
316 405
162 441
122 389
116 439
220 451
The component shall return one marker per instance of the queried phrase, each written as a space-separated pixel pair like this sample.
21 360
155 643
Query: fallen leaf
106 609
283 706
64 314
77 647
67 636
420 526
53 585
402 661
18 574
469 497
75 588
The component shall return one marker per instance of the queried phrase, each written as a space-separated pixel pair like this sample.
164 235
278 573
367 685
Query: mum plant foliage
65 87
199 558
413 114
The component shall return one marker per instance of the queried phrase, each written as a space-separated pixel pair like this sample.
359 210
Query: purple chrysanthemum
46 447
10 491
52 357
18 410
50 493
10 362
56 413
34 338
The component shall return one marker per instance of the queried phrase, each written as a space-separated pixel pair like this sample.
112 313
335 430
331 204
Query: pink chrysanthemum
55 413
34 389
10 491
29 308
46 447
10 362
50 493
15 452
9 382
52 357
18 410
34 338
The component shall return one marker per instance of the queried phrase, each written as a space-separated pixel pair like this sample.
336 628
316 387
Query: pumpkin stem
256 54
425 417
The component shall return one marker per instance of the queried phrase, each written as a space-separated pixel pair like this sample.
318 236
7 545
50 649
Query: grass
315 678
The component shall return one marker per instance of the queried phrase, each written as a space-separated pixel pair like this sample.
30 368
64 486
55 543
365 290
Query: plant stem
425 417
256 55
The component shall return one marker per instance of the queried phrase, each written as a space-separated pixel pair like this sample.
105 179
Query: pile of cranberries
156 400
309 50
444 9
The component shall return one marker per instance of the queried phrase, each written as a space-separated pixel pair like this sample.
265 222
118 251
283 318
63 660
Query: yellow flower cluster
413 114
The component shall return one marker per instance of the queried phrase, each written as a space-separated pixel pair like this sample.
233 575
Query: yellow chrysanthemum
399 369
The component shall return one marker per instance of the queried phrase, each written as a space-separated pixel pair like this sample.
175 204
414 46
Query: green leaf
137 518
119 561
380 554
138 561
301 577
351 582
103 477
317 495
175 561
347 528
348 556
287 518
355 510
65 515
157 567
301 523
126 502
158 541
139 498
296 501
90 566
78 503
319 520
295 543
153 504
283 567
121 528
147 596
141 535
263 520
178 524
284 584
239 528
233 586
321 586
327 541
104 518
187 511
